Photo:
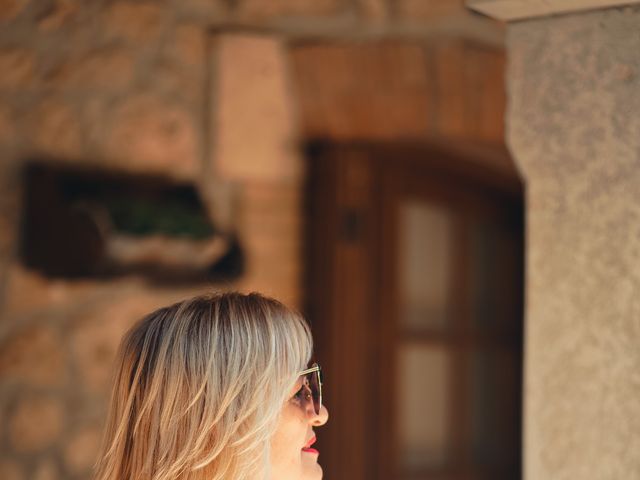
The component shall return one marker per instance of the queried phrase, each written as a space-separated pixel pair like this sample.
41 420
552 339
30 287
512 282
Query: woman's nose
319 419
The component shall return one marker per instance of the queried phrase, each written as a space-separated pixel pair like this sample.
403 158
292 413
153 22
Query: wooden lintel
512 10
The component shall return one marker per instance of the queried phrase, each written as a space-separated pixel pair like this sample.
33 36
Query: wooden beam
510 10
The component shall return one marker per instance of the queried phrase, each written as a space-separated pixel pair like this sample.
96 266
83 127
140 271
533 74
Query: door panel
415 293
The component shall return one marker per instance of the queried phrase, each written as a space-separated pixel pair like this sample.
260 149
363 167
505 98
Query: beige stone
46 470
270 224
56 129
573 130
146 133
60 15
107 69
10 9
81 450
10 470
18 68
7 125
97 335
136 22
175 80
413 10
29 291
36 423
34 355
261 9
204 12
254 125
374 10
512 10
187 45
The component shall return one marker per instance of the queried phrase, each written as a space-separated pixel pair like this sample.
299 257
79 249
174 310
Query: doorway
415 285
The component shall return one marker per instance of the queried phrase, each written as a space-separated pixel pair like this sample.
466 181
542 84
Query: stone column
574 130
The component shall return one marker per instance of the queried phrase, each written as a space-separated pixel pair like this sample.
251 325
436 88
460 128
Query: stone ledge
511 10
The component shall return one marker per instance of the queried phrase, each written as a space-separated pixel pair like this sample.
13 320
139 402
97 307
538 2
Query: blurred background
344 156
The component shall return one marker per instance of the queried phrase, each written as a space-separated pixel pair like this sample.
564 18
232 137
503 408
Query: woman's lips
307 448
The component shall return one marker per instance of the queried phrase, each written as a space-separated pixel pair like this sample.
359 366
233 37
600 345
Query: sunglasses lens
315 382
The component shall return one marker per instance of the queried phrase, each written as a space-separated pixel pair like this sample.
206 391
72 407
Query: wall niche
81 222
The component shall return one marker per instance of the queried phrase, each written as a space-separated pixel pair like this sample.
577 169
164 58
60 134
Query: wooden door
415 294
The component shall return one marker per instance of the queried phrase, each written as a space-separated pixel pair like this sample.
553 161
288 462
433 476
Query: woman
212 388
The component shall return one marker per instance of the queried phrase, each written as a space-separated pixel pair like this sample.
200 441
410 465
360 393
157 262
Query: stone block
7 125
81 450
421 10
34 355
135 22
146 133
255 132
177 81
354 91
36 423
55 127
61 14
273 9
270 226
28 291
374 10
188 45
96 336
107 69
10 470
46 470
18 68
10 9
204 12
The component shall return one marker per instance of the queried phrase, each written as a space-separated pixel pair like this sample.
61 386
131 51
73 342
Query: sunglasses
313 380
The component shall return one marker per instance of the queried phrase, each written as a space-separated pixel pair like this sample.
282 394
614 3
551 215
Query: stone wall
217 92
573 130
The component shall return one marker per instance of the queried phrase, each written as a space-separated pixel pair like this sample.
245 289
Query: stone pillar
574 130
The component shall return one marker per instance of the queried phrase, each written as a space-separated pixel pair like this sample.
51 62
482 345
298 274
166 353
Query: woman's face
292 457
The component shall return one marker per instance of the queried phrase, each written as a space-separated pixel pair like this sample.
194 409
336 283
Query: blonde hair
198 389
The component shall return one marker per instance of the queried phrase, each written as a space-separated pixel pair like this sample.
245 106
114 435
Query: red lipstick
307 448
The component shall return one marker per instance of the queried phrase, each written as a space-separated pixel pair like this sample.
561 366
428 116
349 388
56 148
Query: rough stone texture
147 133
56 129
96 335
109 69
9 9
259 9
202 11
10 470
33 355
61 14
416 10
28 291
36 423
135 22
188 45
374 10
271 226
252 101
7 128
81 451
17 66
573 128
46 470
